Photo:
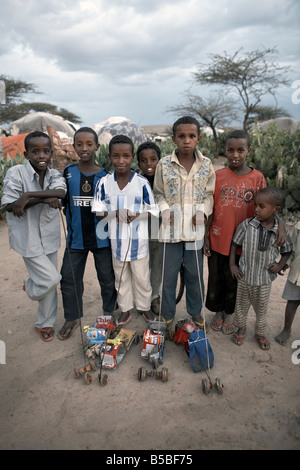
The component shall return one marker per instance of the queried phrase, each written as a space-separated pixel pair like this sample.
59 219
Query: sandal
229 331
68 329
201 325
217 324
47 334
148 315
238 339
125 318
264 343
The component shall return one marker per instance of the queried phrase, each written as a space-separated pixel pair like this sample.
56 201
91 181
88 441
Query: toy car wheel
87 378
103 380
219 386
142 374
164 374
205 386
136 339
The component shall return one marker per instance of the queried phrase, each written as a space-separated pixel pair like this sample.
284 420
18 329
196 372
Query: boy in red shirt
236 186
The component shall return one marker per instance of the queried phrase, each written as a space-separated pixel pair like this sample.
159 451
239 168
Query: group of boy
141 228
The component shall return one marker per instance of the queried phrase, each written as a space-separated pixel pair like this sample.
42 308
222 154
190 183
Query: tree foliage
251 76
15 107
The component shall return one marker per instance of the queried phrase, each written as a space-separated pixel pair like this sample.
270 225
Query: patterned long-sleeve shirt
184 194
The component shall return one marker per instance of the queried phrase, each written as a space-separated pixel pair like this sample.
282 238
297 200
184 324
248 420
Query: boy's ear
277 209
26 155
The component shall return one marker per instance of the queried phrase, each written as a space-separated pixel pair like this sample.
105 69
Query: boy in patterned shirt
184 185
257 265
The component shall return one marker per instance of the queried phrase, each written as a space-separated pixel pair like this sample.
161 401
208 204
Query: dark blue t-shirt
81 222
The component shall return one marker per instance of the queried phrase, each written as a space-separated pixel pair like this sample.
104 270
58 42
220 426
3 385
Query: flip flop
239 339
263 343
225 325
216 324
47 334
68 329
123 323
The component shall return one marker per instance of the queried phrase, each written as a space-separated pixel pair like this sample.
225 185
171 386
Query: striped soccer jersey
129 242
81 222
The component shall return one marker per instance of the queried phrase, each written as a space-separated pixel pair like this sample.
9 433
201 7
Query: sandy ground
43 406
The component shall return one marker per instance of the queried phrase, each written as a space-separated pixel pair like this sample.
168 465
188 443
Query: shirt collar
256 223
33 174
197 154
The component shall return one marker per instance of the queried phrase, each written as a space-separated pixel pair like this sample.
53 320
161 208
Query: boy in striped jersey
81 181
125 200
257 266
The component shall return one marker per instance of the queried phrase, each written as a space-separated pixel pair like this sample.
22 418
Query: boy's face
121 157
85 146
236 151
186 138
148 161
39 153
265 209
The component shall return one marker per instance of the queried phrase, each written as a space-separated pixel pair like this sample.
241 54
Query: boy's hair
34 134
86 129
145 146
239 134
274 194
185 120
120 139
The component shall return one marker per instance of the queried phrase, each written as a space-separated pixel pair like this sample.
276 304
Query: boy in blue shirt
81 181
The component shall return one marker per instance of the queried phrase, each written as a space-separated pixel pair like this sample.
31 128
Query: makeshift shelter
39 122
119 125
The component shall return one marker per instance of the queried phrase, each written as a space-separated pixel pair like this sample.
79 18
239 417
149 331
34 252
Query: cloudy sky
135 58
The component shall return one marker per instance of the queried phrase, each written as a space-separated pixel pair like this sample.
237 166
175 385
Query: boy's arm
159 193
206 246
281 236
234 269
32 198
208 198
275 268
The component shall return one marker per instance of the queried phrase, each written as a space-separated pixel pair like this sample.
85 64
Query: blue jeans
103 264
175 254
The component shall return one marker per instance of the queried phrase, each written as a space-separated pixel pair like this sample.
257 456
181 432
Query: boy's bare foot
283 336
123 319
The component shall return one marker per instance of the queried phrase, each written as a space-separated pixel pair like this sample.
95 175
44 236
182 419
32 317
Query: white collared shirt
38 231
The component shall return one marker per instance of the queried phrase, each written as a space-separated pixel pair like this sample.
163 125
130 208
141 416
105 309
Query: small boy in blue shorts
125 200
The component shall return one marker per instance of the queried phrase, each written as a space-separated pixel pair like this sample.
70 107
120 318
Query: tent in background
119 125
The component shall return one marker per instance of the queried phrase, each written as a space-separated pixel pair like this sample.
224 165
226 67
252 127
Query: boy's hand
206 246
18 208
131 216
53 202
275 268
235 272
198 219
167 217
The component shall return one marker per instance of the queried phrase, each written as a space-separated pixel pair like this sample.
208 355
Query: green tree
251 76
15 107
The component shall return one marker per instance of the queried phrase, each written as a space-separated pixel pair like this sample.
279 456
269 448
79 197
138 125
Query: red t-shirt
233 203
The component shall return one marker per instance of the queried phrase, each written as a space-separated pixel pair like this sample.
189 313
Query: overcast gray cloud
134 58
